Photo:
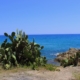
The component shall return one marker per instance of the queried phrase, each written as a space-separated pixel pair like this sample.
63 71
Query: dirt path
63 74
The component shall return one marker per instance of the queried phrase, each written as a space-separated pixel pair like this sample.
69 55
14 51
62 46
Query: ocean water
54 44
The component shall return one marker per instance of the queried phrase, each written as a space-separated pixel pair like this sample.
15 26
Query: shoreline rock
71 52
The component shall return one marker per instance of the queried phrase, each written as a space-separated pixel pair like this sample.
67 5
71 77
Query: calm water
54 44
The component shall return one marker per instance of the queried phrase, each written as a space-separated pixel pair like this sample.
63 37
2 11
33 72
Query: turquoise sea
54 44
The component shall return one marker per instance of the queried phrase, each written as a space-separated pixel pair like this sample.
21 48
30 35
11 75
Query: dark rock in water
67 54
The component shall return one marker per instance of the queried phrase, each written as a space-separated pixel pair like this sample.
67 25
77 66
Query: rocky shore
70 53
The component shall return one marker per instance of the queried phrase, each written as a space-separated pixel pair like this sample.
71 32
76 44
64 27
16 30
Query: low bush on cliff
20 51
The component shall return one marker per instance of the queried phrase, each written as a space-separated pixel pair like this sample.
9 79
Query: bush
20 51
50 67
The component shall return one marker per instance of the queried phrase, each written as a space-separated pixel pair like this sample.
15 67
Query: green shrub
64 62
50 67
20 51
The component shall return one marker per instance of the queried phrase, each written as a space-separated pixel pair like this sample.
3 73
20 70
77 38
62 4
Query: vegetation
20 51
71 60
51 67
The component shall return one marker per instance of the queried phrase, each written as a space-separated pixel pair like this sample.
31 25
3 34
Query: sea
54 44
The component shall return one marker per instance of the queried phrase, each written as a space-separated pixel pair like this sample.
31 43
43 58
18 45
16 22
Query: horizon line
50 34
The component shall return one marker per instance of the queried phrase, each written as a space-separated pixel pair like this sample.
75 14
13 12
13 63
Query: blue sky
40 16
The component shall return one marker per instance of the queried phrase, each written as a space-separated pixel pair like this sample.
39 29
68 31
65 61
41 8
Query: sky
40 16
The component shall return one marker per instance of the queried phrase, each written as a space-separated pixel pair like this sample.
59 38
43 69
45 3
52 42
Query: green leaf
7 66
66 60
9 53
37 45
14 57
7 49
5 57
3 45
0 56
8 45
13 34
2 51
6 34
26 36
41 60
11 38
5 41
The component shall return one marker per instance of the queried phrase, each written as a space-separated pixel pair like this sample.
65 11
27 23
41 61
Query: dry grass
25 68
77 76
13 70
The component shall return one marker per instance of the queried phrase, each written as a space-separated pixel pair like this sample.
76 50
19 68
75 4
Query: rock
78 62
67 54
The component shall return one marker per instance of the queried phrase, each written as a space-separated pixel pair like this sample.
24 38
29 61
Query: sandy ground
63 74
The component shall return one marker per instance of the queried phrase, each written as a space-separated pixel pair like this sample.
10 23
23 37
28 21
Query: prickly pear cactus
20 51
